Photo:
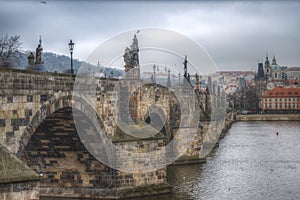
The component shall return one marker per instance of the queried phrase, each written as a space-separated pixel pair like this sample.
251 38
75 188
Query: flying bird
137 31
43 2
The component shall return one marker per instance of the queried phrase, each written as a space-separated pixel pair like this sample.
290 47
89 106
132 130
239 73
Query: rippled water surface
251 163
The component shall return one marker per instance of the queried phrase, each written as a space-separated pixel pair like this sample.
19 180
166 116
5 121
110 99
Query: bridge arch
56 151
59 100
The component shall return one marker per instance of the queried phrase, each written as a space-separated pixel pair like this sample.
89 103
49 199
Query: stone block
2 123
9 99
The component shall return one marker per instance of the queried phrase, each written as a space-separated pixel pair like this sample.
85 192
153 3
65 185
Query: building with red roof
281 99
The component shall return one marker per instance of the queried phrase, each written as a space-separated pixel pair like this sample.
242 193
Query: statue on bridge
38 64
31 59
131 57
38 57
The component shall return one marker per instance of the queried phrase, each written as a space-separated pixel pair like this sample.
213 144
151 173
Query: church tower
260 71
267 67
274 60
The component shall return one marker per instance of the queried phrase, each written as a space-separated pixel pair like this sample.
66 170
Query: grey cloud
235 34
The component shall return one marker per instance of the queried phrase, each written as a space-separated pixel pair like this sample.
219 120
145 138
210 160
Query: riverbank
268 117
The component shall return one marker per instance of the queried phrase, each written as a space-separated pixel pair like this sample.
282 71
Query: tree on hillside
252 102
9 46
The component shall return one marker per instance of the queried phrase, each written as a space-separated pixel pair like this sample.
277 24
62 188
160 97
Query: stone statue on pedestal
38 53
31 59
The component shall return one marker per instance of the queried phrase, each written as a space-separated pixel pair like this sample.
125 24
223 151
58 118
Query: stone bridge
37 125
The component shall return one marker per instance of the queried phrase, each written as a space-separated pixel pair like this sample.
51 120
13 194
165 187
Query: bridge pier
69 170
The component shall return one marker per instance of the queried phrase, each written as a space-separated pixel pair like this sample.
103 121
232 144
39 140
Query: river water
252 162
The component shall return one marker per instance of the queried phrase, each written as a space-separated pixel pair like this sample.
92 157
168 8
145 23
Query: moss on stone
154 189
12 169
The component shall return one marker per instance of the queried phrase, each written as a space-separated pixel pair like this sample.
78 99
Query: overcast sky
235 34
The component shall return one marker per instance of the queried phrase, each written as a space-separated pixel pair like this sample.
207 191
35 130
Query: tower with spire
267 66
274 60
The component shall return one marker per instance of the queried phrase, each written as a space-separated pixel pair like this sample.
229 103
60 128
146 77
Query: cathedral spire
267 62
274 60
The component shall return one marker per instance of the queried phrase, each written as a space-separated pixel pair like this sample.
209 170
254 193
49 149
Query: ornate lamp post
71 47
154 73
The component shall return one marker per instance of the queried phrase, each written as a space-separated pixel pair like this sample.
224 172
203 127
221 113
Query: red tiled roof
293 69
282 92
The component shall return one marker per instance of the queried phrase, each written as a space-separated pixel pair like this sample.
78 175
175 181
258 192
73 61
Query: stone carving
31 58
38 64
131 55
38 57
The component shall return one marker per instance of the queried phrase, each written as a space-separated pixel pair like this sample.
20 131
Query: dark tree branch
9 46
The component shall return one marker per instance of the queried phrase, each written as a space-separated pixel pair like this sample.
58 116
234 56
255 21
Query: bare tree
8 47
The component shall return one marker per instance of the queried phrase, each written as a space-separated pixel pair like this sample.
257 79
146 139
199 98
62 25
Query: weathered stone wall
28 190
160 99
23 100
27 98
55 151
141 178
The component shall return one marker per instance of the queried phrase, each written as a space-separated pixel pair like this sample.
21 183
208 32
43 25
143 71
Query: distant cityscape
273 88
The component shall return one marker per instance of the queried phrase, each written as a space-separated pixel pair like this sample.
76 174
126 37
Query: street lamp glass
71 46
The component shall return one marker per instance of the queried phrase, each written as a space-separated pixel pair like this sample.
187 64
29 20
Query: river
252 162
